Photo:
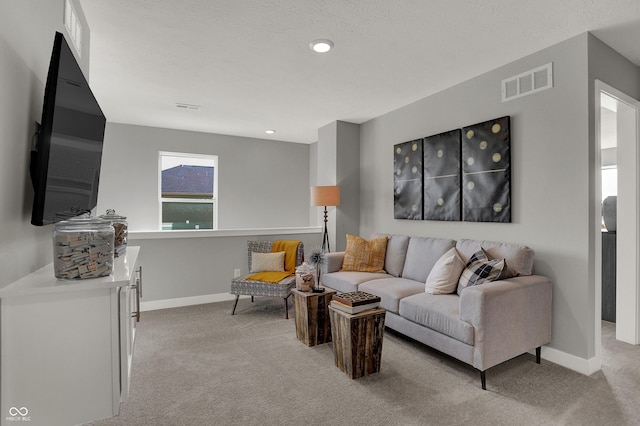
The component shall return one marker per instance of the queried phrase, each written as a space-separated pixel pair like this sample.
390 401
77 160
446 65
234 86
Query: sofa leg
483 380
235 304
286 307
538 350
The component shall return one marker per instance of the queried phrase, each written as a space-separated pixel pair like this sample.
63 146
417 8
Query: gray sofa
483 326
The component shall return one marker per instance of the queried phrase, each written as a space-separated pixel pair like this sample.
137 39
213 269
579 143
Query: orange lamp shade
325 195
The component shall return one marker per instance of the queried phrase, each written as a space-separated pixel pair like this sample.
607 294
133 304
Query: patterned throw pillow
364 256
267 262
480 270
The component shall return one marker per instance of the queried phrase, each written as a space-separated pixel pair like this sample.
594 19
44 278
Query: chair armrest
334 262
509 317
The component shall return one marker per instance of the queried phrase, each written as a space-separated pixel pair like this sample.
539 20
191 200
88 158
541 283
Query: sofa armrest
334 262
509 317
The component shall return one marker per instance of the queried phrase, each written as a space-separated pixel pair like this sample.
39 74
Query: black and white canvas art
486 171
407 180
442 199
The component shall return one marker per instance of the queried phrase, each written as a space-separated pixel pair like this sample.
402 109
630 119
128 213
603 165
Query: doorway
618 155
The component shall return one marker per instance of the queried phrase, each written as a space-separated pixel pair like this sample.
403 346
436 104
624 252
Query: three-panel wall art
460 175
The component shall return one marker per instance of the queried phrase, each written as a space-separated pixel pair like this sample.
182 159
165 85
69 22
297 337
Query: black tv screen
65 166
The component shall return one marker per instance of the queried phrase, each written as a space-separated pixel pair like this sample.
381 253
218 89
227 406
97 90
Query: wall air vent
72 24
188 106
528 82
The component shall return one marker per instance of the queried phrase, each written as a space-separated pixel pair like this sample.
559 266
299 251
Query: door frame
632 333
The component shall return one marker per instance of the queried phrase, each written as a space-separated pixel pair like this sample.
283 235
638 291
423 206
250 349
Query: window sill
194 233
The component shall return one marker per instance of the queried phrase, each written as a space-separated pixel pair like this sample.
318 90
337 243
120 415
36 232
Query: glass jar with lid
120 227
83 248
306 277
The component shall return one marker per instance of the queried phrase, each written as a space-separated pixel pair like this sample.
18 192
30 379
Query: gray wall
550 172
27 30
262 183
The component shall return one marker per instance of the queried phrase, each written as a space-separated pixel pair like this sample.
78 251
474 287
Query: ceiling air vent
528 82
188 106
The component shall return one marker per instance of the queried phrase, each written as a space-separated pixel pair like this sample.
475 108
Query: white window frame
213 200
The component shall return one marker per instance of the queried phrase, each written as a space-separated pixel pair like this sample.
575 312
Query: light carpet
199 365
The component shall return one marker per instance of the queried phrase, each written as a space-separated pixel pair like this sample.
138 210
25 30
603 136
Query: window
609 185
188 191
609 181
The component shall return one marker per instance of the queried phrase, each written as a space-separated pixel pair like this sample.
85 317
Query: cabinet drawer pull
138 289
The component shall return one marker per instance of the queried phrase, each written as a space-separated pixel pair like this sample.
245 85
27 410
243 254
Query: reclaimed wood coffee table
357 341
312 316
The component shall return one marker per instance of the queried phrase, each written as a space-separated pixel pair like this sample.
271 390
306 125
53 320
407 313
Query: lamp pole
325 238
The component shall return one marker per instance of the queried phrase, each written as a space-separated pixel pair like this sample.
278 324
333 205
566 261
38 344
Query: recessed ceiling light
270 131
321 45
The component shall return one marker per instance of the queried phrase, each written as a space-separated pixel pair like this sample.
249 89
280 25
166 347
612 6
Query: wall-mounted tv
65 166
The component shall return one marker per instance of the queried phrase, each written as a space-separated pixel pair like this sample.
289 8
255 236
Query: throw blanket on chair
290 249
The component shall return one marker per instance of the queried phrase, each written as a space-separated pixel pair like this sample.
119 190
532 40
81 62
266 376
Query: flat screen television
65 165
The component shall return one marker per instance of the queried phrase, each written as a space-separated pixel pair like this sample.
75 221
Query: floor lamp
325 196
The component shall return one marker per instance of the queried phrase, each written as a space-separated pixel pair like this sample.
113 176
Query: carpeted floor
199 365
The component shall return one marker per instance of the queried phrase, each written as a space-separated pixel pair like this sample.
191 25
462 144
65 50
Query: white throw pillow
444 276
267 262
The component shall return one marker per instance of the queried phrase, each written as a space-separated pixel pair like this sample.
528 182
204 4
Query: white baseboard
187 301
572 362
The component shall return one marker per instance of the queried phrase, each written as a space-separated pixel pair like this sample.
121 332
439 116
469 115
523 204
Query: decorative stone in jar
120 227
306 277
83 248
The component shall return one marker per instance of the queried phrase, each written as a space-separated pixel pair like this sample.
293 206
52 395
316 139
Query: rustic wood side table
312 316
357 341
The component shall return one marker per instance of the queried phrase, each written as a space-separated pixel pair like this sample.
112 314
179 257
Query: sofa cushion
422 254
391 290
438 312
445 274
396 253
364 256
479 270
345 281
519 258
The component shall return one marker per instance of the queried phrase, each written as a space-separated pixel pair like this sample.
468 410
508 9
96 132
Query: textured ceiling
248 62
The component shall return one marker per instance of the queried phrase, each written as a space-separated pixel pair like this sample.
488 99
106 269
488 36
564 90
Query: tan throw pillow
364 256
267 262
444 276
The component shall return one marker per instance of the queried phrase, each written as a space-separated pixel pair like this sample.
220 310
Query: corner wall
550 177
338 159
348 179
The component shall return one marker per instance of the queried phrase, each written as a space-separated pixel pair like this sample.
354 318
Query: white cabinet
67 346
129 304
